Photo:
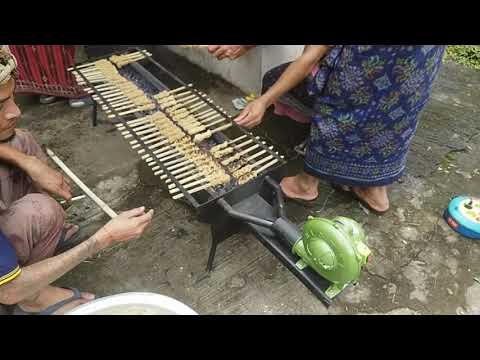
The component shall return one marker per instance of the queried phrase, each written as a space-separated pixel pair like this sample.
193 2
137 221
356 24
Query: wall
246 73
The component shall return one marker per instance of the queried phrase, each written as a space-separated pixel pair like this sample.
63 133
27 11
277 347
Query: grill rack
140 69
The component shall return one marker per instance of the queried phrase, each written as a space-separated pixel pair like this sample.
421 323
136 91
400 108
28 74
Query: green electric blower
333 248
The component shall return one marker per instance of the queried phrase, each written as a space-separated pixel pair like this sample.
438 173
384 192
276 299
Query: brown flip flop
306 203
360 200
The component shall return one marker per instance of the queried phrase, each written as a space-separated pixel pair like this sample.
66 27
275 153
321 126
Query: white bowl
134 303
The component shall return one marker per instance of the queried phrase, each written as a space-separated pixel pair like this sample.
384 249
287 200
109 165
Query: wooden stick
165 93
175 109
228 150
137 104
177 105
105 61
148 131
81 185
253 157
202 127
207 134
146 137
200 115
132 54
237 156
264 167
161 143
160 138
175 190
175 172
87 64
226 143
139 120
180 176
193 191
173 97
165 103
191 119
138 109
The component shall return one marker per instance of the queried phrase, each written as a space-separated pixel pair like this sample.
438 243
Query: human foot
302 186
70 231
69 238
374 198
52 295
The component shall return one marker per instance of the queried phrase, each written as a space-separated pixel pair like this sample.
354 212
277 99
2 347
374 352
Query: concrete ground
420 266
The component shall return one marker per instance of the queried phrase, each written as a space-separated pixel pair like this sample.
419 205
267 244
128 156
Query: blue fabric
9 268
367 100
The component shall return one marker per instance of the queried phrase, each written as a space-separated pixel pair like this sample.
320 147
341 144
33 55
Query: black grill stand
271 227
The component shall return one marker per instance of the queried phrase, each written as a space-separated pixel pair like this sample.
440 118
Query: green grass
468 55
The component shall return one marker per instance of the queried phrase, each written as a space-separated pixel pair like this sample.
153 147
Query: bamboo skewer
180 96
166 93
181 102
228 150
81 185
138 109
239 155
207 134
105 61
135 103
226 143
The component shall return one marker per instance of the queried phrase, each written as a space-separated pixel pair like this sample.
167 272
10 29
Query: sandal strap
53 308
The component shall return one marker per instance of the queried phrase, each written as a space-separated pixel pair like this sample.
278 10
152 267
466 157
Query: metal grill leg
213 250
221 231
94 113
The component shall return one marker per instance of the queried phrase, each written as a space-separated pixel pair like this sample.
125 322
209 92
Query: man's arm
126 226
12 156
47 178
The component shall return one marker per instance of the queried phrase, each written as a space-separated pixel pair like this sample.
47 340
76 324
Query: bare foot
375 197
52 295
71 230
301 186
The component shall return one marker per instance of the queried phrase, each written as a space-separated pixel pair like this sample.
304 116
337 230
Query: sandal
81 102
52 308
66 244
356 197
303 202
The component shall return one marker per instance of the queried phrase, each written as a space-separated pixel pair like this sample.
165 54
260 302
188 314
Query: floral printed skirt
365 103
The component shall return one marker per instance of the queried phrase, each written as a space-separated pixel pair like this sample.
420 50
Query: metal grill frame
204 201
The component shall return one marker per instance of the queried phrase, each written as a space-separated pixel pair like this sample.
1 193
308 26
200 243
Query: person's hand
231 52
252 115
46 178
128 225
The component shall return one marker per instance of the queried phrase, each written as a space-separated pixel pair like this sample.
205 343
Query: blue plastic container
463 216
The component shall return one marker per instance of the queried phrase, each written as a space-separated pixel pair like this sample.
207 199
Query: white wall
246 73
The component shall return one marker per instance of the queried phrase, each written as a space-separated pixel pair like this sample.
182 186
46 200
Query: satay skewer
209 133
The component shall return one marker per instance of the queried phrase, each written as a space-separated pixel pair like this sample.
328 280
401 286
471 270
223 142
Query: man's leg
34 224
